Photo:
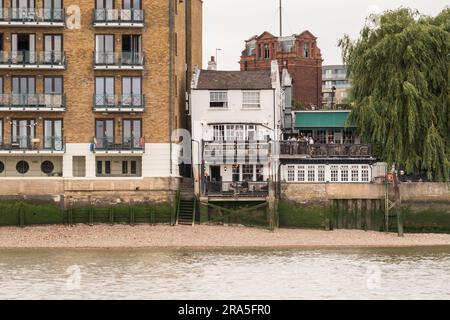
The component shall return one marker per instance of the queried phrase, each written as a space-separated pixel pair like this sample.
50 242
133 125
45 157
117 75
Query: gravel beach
206 237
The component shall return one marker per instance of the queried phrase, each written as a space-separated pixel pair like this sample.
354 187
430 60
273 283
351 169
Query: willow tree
400 74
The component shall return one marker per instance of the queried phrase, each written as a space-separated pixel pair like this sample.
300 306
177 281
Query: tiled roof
234 80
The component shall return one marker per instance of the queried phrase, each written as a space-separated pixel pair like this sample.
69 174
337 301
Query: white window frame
251 99
218 97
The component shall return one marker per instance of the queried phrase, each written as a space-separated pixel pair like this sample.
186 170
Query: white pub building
236 116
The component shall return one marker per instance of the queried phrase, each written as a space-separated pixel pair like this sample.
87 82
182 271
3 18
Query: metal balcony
118 60
123 103
33 102
43 60
293 149
130 145
32 17
125 18
33 145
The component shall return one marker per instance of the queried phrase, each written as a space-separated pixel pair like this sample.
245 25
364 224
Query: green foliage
400 73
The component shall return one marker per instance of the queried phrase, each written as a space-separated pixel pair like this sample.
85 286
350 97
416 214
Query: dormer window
218 99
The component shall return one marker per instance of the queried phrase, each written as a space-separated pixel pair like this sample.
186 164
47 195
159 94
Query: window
344 174
349 137
104 49
107 167
124 167
131 91
2 167
291 173
240 132
321 137
132 133
53 9
53 92
22 167
251 133
230 133
259 172
321 173
219 133
53 48
365 173
133 167
334 174
236 173
23 91
104 133
251 99
355 173
247 172
301 173
99 167
131 49
311 174
47 167
53 138
266 51
218 99
23 47
306 50
23 133
104 92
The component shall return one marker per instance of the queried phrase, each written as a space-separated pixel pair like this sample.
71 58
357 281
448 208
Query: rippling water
292 274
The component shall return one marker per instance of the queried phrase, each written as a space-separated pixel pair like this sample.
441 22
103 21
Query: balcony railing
24 144
116 17
293 149
32 102
234 152
239 189
125 60
114 103
32 16
128 145
33 59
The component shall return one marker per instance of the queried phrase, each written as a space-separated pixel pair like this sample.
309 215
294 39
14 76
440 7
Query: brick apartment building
91 90
301 56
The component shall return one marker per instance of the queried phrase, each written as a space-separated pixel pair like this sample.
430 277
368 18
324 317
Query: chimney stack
212 65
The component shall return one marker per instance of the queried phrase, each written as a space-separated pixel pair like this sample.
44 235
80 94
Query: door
104 133
131 49
24 91
23 10
104 10
216 179
53 92
104 92
53 10
104 49
131 91
23 133
53 48
131 10
132 133
53 138
23 48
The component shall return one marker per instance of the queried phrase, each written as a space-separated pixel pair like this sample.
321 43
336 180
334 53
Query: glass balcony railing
117 17
26 59
119 59
105 102
32 102
129 144
28 143
30 16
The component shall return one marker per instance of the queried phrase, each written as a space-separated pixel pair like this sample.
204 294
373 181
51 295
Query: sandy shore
144 236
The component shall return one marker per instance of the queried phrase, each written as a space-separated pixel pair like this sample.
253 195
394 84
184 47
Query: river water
291 274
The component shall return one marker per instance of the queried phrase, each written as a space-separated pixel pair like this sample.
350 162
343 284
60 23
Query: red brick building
299 53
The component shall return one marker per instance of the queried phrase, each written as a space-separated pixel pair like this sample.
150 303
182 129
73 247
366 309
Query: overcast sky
228 23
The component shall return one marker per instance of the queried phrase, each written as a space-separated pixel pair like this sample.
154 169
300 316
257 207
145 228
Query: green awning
321 119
